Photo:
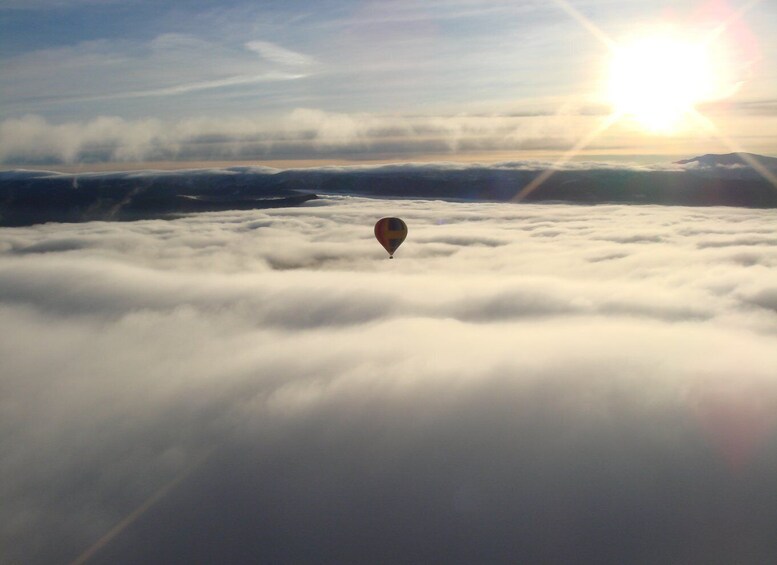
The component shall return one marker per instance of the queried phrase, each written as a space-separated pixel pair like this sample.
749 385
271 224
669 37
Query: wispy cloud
280 55
196 86
115 70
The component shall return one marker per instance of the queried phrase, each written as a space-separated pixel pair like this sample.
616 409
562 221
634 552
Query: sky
521 383
408 80
538 383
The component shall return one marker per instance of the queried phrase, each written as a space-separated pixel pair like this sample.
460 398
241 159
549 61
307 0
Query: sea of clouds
522 383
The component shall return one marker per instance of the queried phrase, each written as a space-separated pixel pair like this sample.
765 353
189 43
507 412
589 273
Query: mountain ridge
30 197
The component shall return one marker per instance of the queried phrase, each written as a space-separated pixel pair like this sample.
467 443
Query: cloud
759 107
102 70
278 54
33 139
302 133
202 85
494 393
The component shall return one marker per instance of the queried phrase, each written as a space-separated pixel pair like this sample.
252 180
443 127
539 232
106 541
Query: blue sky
404 80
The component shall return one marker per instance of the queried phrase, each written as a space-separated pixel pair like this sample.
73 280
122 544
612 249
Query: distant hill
30 197
732 160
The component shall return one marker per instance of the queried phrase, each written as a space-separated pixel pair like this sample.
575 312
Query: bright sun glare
658 80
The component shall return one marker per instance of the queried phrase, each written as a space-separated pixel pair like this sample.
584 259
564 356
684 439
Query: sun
658 80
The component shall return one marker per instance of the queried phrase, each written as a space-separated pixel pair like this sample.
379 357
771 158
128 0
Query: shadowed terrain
29 197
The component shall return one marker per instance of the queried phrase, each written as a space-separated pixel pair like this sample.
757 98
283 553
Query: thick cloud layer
523 383
301 133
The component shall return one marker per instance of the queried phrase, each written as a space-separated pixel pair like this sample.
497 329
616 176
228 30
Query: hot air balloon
390 232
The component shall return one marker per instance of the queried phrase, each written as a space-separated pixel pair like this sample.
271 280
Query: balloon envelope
390 232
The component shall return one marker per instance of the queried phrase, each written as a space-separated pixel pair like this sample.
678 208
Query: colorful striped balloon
390 232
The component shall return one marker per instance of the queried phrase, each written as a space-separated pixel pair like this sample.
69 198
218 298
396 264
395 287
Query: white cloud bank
301 133
533 383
